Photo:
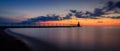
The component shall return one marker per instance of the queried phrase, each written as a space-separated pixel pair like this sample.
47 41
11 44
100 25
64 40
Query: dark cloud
111 6
78 14
41 18
73 11
68 16
117 4
98 12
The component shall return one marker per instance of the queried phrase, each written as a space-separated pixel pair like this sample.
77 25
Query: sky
23 9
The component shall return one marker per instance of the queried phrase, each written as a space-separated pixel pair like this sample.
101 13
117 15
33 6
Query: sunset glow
60 12
83 22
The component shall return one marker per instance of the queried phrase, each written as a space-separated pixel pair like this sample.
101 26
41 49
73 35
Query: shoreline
10 43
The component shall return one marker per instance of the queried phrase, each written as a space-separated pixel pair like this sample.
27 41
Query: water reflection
81 38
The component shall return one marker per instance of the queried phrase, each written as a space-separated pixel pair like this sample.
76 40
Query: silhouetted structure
78 24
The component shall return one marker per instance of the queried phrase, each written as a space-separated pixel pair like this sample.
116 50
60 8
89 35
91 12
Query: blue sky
34 8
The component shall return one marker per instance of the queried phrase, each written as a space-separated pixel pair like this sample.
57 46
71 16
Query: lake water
100 38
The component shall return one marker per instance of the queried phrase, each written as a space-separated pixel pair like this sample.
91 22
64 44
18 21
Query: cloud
41 18
73 11
97 12
118 4
111 6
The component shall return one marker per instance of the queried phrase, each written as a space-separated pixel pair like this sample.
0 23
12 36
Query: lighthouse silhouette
78 24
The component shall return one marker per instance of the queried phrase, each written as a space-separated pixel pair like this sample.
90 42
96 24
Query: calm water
83 37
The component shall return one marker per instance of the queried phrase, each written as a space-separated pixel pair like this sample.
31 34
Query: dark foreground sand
9 43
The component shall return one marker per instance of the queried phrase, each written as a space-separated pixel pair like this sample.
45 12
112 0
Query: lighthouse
78 25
